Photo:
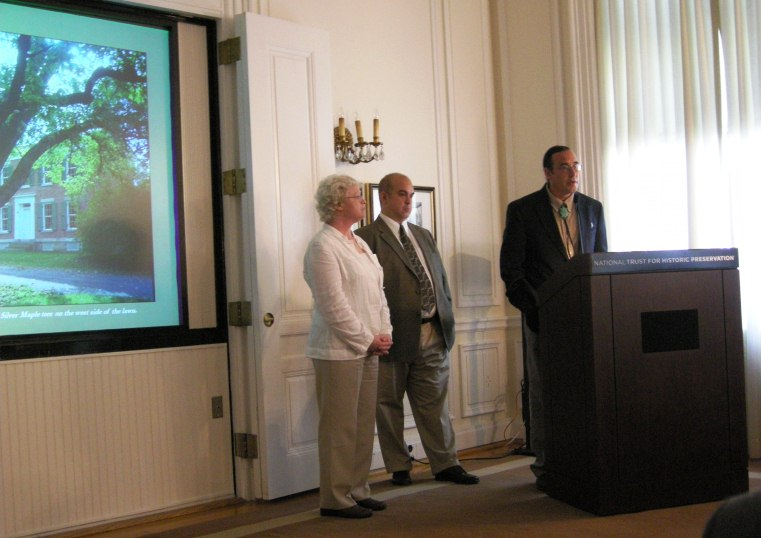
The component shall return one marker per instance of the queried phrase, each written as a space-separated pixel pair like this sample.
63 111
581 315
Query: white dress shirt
568 227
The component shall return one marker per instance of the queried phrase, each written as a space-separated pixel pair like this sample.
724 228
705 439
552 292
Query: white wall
452 118
531 91
96 437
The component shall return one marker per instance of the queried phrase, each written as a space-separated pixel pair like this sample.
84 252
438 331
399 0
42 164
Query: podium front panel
671 398
644 390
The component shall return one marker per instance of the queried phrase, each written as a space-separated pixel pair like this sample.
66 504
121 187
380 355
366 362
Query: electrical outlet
217 407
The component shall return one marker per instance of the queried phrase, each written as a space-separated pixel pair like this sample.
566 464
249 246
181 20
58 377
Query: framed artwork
423 206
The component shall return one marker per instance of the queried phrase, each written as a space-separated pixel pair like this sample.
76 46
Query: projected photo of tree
75 185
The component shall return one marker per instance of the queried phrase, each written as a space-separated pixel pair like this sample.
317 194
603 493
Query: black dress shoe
353 512
401 478
372 504
457 475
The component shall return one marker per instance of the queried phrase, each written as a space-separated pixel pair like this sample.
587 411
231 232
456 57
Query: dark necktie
426 290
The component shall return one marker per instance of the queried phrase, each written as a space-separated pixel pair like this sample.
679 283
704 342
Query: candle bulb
376 129
341 128
358 125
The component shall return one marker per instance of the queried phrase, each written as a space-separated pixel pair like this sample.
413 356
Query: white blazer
349 302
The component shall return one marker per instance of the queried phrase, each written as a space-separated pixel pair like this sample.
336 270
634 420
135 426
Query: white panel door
286 138
23 219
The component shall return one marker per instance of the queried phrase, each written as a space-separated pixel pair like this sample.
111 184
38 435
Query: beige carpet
504 504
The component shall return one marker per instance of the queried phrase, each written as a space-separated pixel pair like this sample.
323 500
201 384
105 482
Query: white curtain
680 97
741 137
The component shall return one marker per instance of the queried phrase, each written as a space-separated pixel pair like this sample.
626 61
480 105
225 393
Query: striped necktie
427 297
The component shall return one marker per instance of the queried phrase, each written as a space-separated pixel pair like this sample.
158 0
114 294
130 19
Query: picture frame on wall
423 206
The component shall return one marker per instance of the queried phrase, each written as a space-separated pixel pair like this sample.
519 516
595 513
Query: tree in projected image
78 114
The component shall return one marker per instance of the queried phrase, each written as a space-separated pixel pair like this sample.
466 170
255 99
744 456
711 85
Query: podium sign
642 360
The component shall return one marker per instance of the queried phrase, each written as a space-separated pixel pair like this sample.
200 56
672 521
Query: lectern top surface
658 260
602 263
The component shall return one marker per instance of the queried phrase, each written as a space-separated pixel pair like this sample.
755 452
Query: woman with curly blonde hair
351 327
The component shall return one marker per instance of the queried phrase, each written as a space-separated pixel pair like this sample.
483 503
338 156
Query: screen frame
115 340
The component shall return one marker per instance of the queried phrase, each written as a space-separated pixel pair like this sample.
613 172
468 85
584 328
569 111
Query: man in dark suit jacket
418 362
543 230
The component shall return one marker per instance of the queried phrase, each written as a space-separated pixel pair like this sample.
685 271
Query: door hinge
234 181
246 446
239 314
228 51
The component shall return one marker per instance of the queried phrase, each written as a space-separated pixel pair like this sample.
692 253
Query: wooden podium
642 356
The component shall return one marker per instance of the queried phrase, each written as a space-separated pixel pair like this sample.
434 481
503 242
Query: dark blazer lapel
584 216
544 214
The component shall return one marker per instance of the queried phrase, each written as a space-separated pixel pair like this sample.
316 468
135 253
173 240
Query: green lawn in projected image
53 278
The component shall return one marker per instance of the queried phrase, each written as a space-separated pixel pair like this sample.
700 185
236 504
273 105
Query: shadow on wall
476 277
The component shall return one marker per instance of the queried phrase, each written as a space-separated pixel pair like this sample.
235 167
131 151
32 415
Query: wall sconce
361 152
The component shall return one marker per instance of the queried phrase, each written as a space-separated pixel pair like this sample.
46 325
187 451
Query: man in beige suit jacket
418 362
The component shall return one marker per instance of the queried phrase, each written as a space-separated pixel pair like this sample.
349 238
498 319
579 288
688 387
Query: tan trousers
346 396
425 381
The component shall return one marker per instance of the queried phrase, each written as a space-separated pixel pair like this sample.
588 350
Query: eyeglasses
575 167
361 196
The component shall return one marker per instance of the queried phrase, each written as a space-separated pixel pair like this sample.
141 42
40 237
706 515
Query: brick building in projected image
40 216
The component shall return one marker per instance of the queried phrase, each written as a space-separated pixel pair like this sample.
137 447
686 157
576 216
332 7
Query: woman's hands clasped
381 344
